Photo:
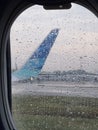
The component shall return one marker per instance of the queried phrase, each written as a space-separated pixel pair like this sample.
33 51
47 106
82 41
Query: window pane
55 69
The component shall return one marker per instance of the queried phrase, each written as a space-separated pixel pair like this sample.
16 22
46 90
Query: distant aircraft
35 63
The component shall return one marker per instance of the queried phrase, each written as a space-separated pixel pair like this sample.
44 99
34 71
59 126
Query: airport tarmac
56 89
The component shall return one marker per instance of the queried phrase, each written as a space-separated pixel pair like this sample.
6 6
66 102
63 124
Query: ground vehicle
9 11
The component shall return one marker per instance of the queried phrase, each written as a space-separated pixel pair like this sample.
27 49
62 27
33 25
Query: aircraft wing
35 63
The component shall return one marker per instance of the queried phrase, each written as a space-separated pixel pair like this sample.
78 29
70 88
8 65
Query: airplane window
54 57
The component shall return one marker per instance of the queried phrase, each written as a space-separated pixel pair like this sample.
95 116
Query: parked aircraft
34 64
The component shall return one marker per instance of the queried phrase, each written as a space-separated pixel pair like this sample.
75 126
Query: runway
56 89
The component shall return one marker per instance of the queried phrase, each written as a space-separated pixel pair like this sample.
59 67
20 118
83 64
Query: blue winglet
35 63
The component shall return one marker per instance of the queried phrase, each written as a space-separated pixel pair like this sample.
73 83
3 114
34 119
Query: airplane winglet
35 63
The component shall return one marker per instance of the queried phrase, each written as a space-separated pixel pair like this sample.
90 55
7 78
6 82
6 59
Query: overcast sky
76 46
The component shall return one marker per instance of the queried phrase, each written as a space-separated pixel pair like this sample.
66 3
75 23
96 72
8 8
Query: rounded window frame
13 9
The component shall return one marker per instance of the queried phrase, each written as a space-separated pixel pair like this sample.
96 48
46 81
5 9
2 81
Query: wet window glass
54 57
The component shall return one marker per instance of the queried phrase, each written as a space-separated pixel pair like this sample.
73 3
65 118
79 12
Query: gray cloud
77 38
